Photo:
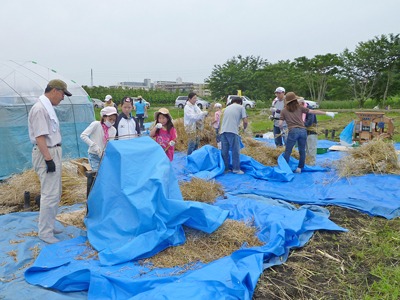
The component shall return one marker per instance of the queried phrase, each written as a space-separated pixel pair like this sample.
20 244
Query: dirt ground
329 266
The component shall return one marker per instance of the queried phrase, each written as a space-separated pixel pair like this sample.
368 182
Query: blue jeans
279 139
140 118
298 135
230 141
94 161
193 145
217 136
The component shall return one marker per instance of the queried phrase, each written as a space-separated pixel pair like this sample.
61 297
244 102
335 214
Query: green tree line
371 71
153 96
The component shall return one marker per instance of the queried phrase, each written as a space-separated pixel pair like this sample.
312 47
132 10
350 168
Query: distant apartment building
145 85
182 87
169 86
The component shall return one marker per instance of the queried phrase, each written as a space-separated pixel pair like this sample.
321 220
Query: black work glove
51 166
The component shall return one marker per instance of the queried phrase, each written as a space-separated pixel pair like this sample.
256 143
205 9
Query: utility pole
91 77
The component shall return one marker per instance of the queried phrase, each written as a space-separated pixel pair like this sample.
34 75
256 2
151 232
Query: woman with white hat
164 132
293 115
98 133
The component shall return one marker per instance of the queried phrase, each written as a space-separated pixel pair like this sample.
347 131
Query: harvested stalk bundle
201 190
74 218
264 154
13 189
205 247
376 156
73 185
207 134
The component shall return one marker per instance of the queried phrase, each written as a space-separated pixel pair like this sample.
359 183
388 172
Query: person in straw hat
293 115
164 132
45 135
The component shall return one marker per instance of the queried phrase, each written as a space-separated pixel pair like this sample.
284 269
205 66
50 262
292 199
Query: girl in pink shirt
164 132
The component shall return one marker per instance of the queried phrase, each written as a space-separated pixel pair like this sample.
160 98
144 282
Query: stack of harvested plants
13 189
206 247
264 154
201 190
73 218
207 135
376 156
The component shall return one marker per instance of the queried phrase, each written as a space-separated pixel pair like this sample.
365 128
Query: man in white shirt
230 139
193 121
277 105
44 133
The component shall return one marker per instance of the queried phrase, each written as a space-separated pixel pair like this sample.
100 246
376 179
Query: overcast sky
124 40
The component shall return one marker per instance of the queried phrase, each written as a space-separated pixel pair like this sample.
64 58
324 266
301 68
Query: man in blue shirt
141 109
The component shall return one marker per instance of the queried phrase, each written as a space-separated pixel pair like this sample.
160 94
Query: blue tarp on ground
69 266
377 195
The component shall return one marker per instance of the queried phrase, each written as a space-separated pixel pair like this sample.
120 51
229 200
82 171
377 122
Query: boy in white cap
98 133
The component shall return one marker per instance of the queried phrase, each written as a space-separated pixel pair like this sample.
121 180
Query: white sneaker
50 240
239 172
298 170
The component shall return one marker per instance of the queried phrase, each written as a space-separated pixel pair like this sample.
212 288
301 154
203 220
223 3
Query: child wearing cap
98 133
215 124
109 102
126 125
164 132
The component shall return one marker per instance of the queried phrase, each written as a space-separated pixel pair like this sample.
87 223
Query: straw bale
377 156
12 190
201 190
200 246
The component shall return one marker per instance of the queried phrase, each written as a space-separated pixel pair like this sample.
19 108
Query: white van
247 103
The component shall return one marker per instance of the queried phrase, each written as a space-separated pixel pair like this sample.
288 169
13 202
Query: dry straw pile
74 218
264 154
13 189
200 246
207 135
376 156
201 190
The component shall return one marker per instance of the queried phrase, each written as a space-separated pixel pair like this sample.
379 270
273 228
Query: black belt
58 145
